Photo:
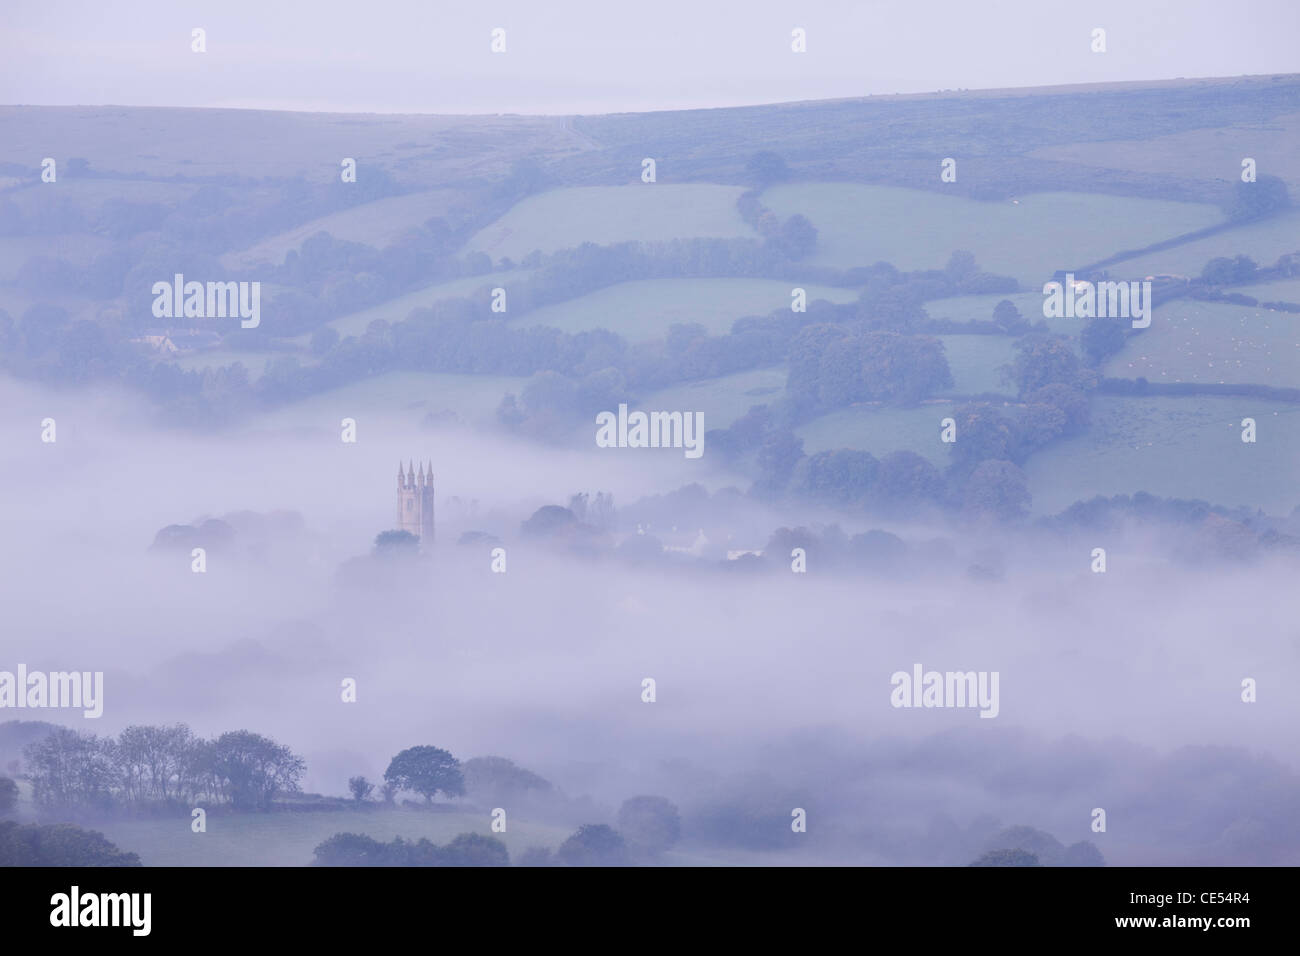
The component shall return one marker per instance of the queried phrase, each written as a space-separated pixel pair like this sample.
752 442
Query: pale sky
578 56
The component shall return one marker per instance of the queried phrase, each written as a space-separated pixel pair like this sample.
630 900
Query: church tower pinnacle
415 501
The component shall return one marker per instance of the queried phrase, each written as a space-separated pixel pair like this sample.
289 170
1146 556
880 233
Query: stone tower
415 502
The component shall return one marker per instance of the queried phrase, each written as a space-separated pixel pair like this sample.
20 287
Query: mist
764 673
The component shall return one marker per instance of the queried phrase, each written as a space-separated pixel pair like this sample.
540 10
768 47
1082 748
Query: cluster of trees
160 766
648 826
795 238
1026 846
58 844
1267 196
357 849
983 476
832 366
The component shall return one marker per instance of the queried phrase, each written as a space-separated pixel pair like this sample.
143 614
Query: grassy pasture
1263 241
565 218
975 361
1284 290
880 429
1209 154
1213 343
1175 447
398 309
1029 238
376 224
722 399
398 399
644 309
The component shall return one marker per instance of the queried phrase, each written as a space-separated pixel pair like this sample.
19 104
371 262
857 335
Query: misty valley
864 481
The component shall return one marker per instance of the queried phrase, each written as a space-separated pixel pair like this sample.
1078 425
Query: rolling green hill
1029 237
1215 343
565 218
645 309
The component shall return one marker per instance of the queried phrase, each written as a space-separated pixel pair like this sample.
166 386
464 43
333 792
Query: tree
961 266
878 549
1072 402
842 476
548 520
1006 858
1264 197
351 849
8 795
1083 853
153 761
997 488
1100 339
1045 848
475 849
1043 360
798 237
538 856
896 308
594 844
651 824
427 771
1222 270
58 844
251 770
906 477
396 544
69 769
360 788
42 324
777 458
499 778
1008 317
766 167
982 433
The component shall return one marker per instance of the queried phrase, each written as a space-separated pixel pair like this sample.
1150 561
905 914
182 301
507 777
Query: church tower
415 502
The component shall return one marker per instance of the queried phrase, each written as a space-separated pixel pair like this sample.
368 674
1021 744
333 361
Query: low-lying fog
780 678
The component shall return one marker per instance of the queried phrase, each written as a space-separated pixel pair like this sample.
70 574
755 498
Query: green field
1208 154
288 838
644 310
397 399
723 399
976 361
1175 447
1029 238
399 309
880 429
376 224
1284 290
1262 241
566 218
1210 342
